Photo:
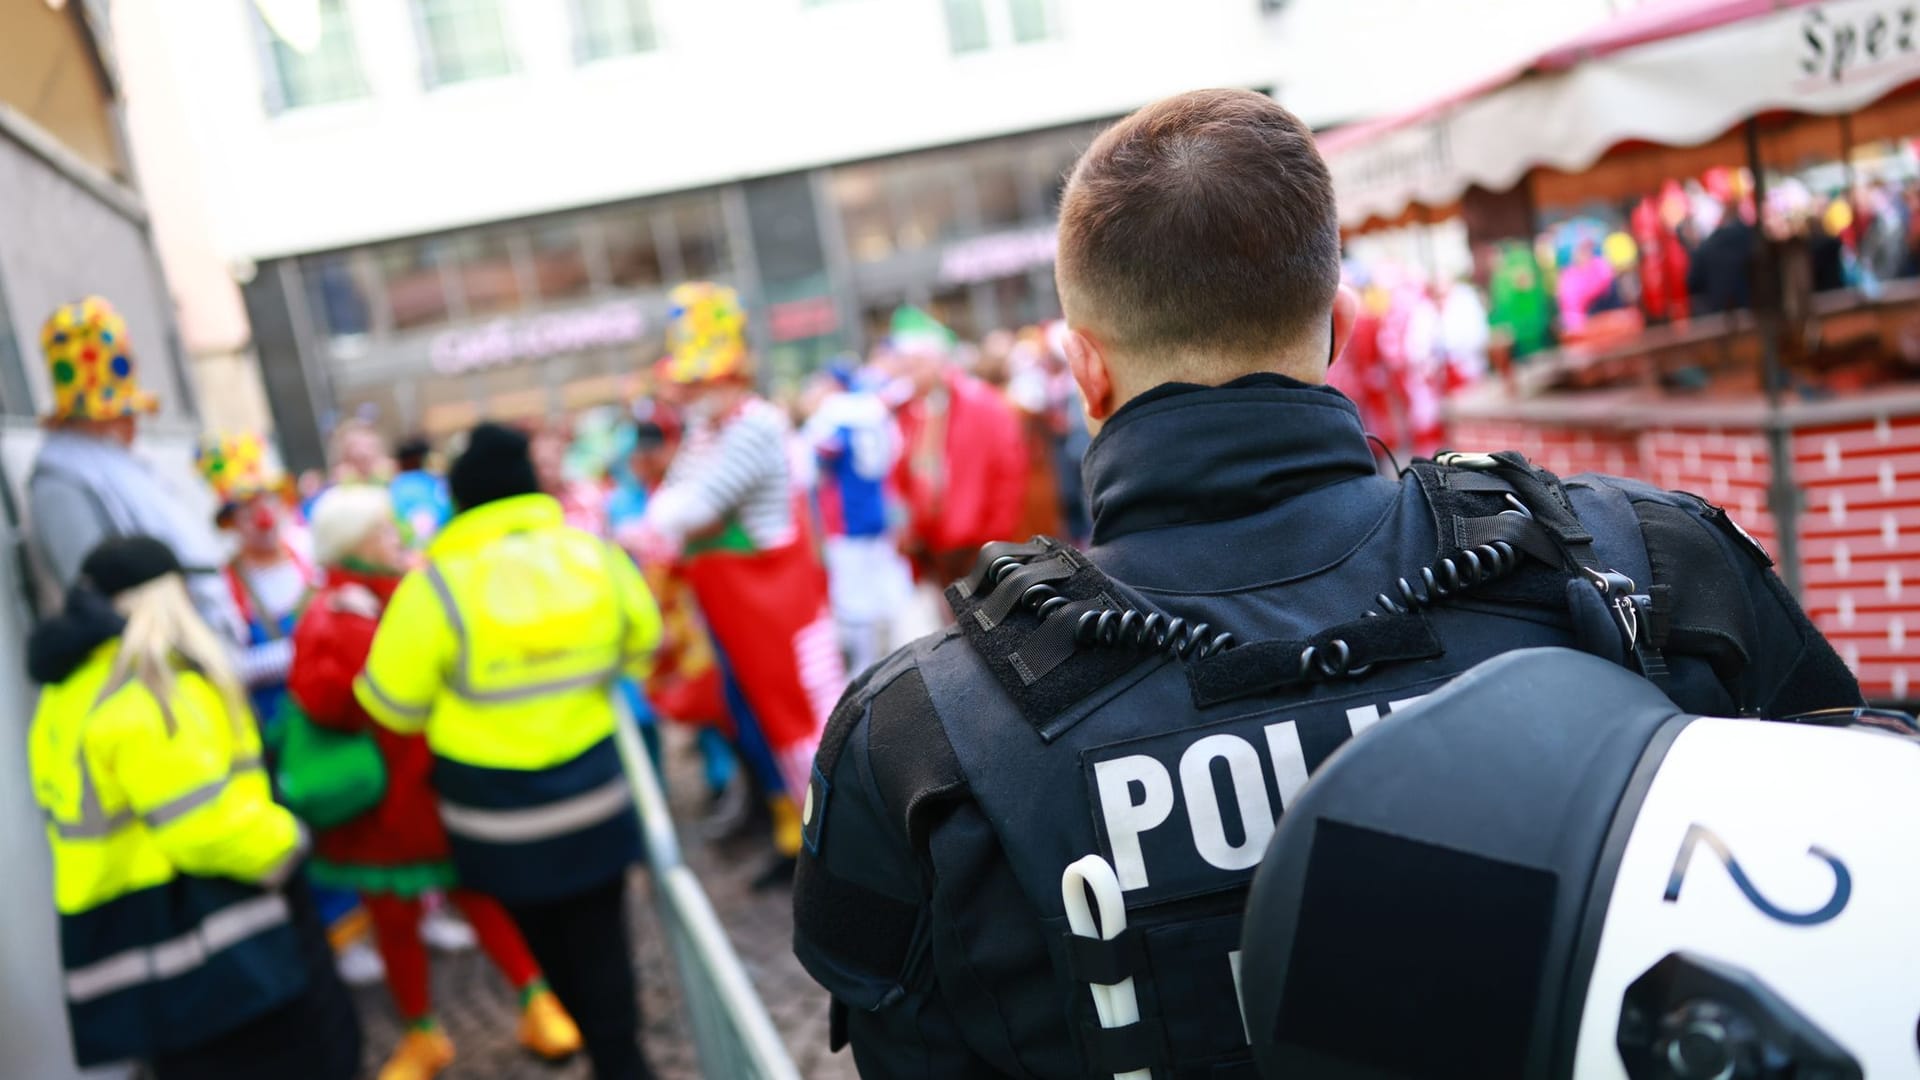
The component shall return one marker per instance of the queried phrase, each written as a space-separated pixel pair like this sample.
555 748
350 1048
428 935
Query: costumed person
270 578
727 510
1360 372
1409 348
965 462
583 503
504 651
685 684
184 945
394 851
1519 304
1663 260
1464 336
358 454
420 500
1583 283
88 484
1043 423
853 434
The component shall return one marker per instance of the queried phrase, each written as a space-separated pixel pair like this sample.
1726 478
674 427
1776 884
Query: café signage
997 256
538 337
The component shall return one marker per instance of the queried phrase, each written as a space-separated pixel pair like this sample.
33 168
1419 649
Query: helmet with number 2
1549 870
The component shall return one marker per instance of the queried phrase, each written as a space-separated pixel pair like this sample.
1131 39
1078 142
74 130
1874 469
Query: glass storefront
549 315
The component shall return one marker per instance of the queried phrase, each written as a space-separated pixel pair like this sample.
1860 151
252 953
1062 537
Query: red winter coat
330 647
965 490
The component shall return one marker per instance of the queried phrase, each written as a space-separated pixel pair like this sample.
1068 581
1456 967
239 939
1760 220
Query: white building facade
443 209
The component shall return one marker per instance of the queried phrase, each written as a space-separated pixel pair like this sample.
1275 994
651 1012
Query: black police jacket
1068 715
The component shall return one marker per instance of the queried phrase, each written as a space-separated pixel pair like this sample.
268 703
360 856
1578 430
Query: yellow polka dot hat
706 334
235 465
91 363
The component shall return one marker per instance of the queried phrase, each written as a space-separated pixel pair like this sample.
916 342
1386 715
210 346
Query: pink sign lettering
510 341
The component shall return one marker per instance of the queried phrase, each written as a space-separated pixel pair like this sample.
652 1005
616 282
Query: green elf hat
914 330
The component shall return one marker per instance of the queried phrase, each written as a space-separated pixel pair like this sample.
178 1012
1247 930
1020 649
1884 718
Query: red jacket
965 490
330 646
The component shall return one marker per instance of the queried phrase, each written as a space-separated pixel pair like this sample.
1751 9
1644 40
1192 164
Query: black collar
1182 453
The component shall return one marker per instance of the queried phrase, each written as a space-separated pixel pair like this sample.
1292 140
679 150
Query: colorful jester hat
91 363
706 334
235 466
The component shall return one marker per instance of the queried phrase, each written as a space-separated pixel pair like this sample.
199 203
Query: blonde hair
165 633
344 517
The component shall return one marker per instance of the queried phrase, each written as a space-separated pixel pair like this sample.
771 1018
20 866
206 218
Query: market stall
1803 419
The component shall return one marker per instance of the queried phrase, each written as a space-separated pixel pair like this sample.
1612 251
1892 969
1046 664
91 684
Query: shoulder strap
1707 612
1632 610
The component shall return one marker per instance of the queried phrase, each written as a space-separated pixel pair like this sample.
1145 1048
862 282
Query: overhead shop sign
1681 81
513 341
997 256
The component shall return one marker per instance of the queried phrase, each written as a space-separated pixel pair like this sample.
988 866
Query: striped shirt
736 469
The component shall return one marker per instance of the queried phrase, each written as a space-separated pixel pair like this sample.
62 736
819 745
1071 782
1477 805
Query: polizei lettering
1191 811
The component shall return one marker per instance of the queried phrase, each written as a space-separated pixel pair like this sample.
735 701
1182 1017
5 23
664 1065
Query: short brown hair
1202 222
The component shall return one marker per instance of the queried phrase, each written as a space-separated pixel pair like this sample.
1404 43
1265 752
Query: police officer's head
497 464
1199 243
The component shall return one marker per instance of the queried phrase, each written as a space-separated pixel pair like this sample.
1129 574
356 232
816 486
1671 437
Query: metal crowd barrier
731 1029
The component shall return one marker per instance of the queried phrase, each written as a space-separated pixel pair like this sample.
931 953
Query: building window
859 192
462 40
633 251
338 298
559 262
416 287
606 28
702 234
967 25
329 72
1030 19
978 25
489 281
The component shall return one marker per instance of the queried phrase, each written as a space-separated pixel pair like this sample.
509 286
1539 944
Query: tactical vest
1181 742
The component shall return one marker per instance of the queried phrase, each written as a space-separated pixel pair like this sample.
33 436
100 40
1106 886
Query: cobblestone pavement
481 1014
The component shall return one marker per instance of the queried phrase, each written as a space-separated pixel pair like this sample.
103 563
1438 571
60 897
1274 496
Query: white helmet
1549 870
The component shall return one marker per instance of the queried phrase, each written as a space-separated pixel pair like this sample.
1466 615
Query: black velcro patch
912 759
869 930
1460 937
1063 684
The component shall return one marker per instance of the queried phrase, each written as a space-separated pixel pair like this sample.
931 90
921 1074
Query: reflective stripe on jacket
504 651
164 831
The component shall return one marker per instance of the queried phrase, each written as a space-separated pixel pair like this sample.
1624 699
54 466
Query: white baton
1115 1004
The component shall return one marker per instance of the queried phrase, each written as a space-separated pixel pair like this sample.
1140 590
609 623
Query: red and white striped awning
1674 74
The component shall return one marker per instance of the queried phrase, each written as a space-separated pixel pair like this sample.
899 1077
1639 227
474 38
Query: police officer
1028 839
505 651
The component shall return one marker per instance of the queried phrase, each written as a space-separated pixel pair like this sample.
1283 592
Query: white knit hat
344 516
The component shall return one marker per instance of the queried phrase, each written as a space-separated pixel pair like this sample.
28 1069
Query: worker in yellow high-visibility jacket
180 945
505 650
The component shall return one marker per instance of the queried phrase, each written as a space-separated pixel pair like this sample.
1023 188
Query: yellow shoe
420 1056
786 826
546 1029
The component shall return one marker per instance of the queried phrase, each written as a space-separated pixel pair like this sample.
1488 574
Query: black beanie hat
127 562
497 465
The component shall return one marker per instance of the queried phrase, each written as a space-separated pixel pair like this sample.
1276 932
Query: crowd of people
1692 248
353 647
1023 846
